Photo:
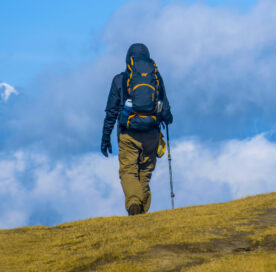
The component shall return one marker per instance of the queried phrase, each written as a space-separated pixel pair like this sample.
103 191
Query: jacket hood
137 50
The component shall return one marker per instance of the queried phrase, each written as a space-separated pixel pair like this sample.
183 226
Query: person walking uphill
137 99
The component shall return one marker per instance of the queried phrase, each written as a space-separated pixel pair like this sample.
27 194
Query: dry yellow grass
234 236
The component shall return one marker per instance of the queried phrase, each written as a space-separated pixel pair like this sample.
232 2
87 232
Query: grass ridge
233 236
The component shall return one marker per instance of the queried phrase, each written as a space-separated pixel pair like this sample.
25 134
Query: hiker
137 99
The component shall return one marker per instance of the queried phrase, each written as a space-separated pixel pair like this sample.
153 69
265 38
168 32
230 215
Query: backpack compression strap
155 73
131 73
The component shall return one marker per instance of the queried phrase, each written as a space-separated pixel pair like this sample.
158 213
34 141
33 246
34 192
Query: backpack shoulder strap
123 88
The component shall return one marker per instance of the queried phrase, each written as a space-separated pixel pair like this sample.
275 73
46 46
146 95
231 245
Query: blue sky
57 61
38 34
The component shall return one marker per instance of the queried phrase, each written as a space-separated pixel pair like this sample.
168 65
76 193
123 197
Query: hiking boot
134 209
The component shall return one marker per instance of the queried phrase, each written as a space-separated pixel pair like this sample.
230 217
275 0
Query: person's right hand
106 145
167 118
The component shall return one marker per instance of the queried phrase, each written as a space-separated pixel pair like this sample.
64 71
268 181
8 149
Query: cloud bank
34 190
204 172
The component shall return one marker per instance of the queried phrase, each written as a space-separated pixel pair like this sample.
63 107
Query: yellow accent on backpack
131 116
161 146
143 84
131 61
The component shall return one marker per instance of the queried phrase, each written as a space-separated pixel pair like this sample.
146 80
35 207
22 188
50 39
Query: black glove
167 118
106 145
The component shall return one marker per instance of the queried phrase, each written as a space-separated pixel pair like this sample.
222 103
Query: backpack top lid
143 65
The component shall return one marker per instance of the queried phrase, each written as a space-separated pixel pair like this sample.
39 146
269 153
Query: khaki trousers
137 156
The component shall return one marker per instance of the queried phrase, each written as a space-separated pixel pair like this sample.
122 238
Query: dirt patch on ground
268 217
269 243
174 257
234 243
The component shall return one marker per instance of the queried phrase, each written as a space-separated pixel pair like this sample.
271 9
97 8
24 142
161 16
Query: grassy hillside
235 236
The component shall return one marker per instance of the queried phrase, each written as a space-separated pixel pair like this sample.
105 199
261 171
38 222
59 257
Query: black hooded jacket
118 94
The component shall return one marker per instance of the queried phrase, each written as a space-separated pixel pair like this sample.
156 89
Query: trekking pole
170 165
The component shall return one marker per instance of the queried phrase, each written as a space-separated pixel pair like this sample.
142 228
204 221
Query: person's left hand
106 145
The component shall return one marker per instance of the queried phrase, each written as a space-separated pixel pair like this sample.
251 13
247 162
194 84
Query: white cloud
34 189
8 91
205 172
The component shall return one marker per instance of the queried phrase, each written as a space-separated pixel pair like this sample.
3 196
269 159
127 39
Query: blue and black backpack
143 90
